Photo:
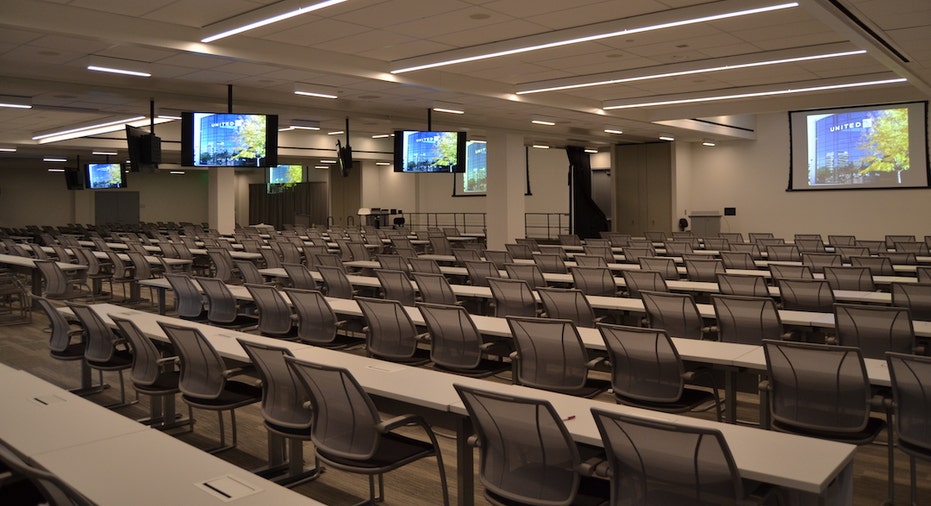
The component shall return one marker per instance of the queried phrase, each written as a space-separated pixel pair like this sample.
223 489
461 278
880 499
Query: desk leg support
730 395
464 463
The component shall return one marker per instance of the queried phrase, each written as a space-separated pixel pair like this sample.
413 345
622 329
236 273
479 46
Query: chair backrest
395 285
440 245
569 239
756 236
59 337
850 278
732 237
674 312
434 288
664 462
637 281
527 455
52 488
86 257
806 295
616 239
600 251
528 272
678 248
221 305
555 249
567 304
655 235
549 263
902 257
310 254
249 272
283 396
56 284
809 245
274 311
879 266
201 366
99 339
590 261
842 240
594 281
300 276
390 332
344 416
519 251
911 394
703 270
752 248
394 263
632 254
846 252
664 265
455 342
463 254
872 247
189 302
645 365
874 329
737 260
742 284
915 296
924 274
499 258
892 239
316 321
146 368
783 252
479 271
142 269
778 272
747 320
329 260
335 282
716 244
290 253
513 297
271 257
222 264
799 395
550 353
818 261
424 265
359 251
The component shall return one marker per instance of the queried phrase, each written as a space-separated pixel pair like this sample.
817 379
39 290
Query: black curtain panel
589 219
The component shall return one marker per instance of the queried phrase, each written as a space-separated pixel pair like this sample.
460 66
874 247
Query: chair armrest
879 402
595 362
237 371
764 386
400 421
595 466
423 337
473 441
830 340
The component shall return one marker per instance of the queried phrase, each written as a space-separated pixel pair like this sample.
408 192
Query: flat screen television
104 176
73 179
145 149
229 140
343 158
420 151
863 147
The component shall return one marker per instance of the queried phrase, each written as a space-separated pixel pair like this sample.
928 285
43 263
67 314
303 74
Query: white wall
752 176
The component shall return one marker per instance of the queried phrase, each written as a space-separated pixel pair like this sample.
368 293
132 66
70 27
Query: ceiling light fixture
301 124
261 17
118 66
708 143
541 146
614 131
383 164
15 102
176 172
675 100
7 150
54 159
448 108
328 162
104 153
169 114
543 122
591 151
626 77
321 166
315 90
56 170
93 129
336 132
576 35
668 138
381 136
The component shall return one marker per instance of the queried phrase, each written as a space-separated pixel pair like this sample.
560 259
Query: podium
706 223
373 216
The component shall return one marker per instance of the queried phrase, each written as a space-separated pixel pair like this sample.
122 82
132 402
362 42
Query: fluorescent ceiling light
448 111
730 63
335 132
592 151
104 153
383 164
613 131
301 124
448 108
328 161
315 90
541 146
261 17
681 99
7 150
667 138
169 114
54 159
381 136
321 166
56 170
710 144
118 66
176 172
93 129
543 122
589 33
15 102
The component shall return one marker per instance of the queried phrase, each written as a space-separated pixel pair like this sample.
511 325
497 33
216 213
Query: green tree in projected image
115 177
251 137
446 149
888 141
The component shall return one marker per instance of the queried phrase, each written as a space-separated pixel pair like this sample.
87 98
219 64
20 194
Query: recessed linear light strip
754 94
113 70
270 20
87 128
600 36
694 71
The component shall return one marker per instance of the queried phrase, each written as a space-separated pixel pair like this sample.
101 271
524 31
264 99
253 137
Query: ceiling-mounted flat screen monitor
105 176
229 140
864 147
420 151
145 149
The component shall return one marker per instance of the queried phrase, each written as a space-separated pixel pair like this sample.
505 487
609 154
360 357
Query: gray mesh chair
664 462
872 247
97 272
678 248
915 296
569 239
223 309
250 273
756 236
457 346
802 402
590 261
519 251
317 323
335 282
67 342
479 271
809 244
499 258
879 266
818 261
349 434
527 272
674 312
594 281
553 249
300 276
600 251
842 240
664 265
901 257
874 329
632 254
550 355
637 281
206 382
550 263
463 254
189 301
750 248
105 350
424 265
285 414
703 270
310 252
646 371
742 284
394 263
390 333
747 320
271 258
911 395
777 272
57 285
527 456
434 288
568 304
26 484
440 245
718 244
275 317
732 237
923 273
892 239
329 260
850 278
513 297
223 268
154 373
846 252
395 285
806 295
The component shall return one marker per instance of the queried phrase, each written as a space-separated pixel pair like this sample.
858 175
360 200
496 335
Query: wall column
507 183
221 199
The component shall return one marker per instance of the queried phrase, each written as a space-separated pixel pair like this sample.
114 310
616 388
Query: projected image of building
839 148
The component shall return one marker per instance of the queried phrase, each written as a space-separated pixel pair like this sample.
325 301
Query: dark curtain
300 204
589 219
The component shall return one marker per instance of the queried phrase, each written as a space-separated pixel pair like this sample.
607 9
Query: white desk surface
877 370
152 468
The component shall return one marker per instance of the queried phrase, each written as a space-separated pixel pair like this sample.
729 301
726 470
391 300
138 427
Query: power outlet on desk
730 211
